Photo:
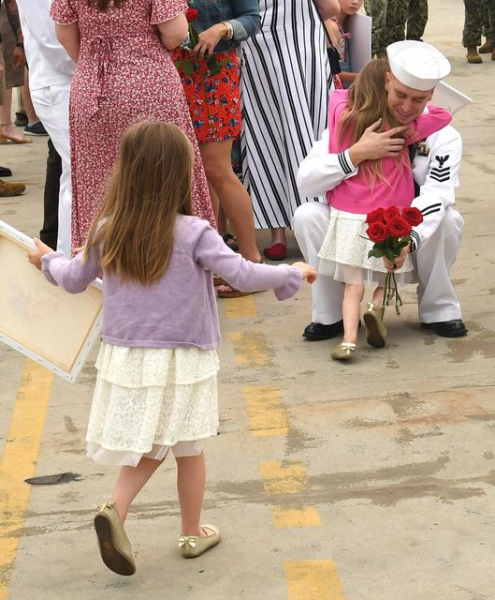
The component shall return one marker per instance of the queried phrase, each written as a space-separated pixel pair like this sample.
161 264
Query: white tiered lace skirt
148 400
344 253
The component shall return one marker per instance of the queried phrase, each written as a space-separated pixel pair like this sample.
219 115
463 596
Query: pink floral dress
124 75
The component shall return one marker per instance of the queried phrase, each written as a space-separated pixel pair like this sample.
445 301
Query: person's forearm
327 8
357 154
173 32
69 37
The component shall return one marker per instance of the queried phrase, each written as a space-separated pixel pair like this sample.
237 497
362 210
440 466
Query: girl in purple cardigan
156 387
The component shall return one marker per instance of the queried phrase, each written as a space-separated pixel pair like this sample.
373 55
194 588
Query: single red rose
191 15
376 215
392 212
377 232
412 215
399 227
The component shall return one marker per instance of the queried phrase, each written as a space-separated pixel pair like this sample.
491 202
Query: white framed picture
40 320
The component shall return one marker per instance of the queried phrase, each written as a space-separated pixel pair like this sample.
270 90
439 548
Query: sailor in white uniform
50 77
415 67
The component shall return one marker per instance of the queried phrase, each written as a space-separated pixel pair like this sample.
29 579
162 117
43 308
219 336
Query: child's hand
35 255
308 272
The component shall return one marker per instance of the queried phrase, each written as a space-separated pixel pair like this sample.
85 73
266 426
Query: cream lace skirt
344 253
148 400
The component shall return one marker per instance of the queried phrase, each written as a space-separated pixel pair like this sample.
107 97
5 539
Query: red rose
399 227
191 15
377 232
376 215
412 215
392 212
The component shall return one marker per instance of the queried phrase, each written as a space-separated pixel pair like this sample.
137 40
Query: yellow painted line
250 348
313 580
266 412
240 308
19 462
283 477
290 518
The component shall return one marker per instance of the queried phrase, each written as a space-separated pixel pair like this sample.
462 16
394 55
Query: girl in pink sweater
387 182
156 387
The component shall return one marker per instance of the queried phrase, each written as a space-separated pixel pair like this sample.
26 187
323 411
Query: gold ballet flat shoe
344 351
194 545
115 548
375 330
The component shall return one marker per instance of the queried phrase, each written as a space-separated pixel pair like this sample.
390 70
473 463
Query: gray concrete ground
378 483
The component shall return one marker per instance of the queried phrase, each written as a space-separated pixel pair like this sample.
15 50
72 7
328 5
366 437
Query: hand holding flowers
390 230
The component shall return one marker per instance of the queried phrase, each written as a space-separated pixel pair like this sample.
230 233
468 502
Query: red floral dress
124 75
214 100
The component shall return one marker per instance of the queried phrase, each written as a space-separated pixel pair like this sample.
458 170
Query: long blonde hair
150 185
368 103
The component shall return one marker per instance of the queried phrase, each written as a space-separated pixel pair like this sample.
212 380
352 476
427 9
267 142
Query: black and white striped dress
285 83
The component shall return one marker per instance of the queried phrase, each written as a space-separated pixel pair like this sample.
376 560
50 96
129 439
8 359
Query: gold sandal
375 330
115 548
344 351
194 545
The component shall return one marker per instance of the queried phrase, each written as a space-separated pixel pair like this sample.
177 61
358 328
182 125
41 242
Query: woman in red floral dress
124 75
214 103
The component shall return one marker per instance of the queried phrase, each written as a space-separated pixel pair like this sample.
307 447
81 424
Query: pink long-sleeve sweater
358 194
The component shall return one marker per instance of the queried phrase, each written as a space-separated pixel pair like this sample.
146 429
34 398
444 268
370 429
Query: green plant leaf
187 67
376 252
193 36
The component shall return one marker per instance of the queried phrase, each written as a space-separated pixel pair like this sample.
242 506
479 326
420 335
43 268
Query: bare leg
234 199
222 223
191 481
215 202
351 310
130 482
378 296
278 236
7 128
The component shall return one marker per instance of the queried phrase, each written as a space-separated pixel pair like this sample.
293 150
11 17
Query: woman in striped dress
285 86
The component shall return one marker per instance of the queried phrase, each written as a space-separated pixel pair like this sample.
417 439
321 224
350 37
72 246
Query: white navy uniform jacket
435 170
49 63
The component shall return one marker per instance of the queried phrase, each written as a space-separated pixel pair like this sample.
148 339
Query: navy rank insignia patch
441 173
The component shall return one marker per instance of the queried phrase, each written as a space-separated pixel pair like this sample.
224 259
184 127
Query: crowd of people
144 102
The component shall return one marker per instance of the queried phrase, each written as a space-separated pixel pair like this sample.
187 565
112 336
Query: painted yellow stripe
19 462
313 580
289 518
240 308
266 412
250 348
283 477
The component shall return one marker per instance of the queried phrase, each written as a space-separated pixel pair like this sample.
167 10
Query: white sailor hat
418 65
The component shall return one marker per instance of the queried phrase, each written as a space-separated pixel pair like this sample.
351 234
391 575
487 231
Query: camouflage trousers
389 21
476 13
417 18
488 24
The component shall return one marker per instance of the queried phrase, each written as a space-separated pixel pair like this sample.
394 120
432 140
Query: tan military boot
11 189
472 55
487 48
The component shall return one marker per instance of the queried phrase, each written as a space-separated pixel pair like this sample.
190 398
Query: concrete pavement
368 481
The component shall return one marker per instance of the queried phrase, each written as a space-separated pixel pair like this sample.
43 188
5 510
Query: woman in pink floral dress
124 75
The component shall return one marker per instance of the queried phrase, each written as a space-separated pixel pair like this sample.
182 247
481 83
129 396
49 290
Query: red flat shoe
276 252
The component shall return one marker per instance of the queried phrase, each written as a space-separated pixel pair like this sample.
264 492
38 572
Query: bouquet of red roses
390 230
